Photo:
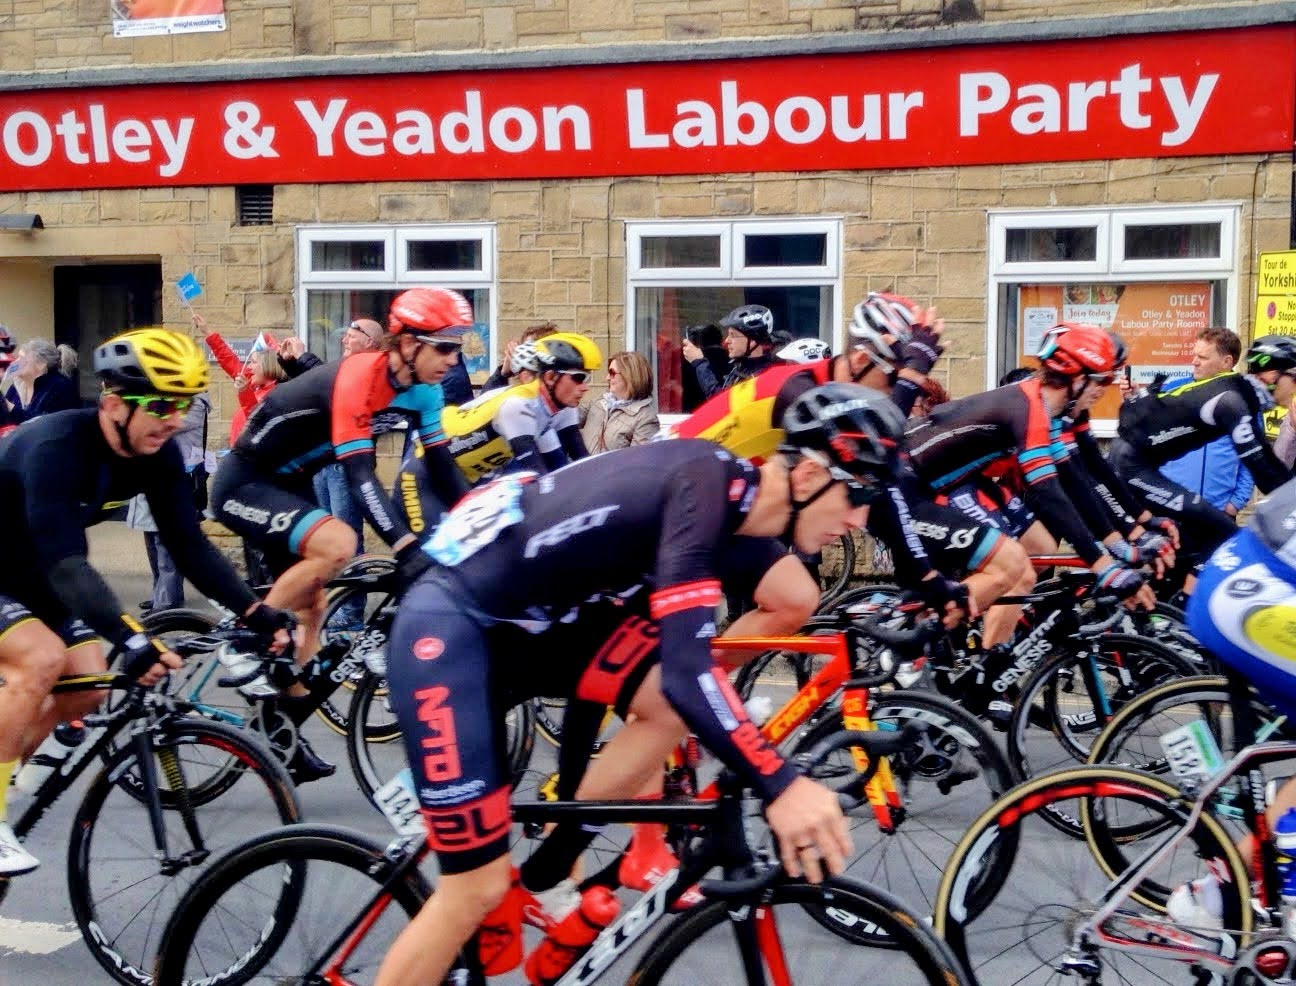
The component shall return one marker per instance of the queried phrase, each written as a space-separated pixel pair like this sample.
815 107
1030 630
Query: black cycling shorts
277 514
1202 526
71 631
956 544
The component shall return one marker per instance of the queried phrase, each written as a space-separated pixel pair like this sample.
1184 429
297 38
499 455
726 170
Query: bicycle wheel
349 610
1133 737
217 786
198 680
1066 702
704 946
374 744
263 913
1020 927
837 567
944 782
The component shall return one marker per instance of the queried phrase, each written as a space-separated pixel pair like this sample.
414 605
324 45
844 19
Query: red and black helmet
1073 350
437 313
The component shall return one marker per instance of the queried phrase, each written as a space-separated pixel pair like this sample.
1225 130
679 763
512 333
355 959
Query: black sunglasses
860 492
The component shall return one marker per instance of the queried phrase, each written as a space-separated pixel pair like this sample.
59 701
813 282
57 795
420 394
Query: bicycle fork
881 788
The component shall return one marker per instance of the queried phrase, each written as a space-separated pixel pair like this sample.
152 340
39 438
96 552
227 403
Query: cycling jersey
746 419
58 476
515 428
1244 606
662 514
327 414
1161 427
989 432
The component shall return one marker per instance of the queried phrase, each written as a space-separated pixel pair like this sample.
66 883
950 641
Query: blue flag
188 287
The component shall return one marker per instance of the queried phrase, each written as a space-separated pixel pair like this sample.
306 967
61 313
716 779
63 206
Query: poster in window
476 353
1159 323
137 18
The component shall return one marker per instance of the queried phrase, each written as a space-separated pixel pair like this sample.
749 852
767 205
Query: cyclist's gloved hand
936 592
411 562
1153 545
267 621
922 350
141 652
1163 525
1123 552
1121 581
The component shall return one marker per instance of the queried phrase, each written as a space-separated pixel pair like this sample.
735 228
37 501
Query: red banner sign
1195 93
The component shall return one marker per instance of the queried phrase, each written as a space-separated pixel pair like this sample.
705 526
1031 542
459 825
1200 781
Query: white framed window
350 272
688 274
1155 275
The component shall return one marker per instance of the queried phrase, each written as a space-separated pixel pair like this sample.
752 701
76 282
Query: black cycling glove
922 350
411 562
266 620
938 591
140 653
1121 581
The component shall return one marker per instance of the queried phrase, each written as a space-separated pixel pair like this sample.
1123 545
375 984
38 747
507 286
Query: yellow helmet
152 361
568 351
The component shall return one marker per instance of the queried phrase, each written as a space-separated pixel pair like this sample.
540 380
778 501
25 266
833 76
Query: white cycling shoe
14 859
1197 905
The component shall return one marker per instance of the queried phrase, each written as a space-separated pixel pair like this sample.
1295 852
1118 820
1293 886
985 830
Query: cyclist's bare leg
997 574
1037 540
301 588
425 950
31 657
786 597
86 657
633 757
998 623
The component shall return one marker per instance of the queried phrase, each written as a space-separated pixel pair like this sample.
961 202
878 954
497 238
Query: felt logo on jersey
242 510
568 528
429 648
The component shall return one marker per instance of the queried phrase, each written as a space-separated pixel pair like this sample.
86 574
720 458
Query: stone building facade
576 249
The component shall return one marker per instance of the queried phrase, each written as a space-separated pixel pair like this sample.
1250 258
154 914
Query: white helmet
804 351
880 315
525 357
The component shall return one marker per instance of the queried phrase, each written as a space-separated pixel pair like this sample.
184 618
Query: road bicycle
1096 910
174 789
262 913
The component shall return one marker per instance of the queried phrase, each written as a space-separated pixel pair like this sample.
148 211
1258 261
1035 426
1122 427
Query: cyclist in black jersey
262 490
1020 425
63 473
685 516
1158 427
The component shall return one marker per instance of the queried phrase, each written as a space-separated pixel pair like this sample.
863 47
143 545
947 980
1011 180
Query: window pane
679 251
1052 245
663 314
786 250
1172 241
352 255
328 313
445 255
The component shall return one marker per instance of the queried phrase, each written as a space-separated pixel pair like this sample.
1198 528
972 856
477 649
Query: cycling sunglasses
158 407
860 490
578 376
440 345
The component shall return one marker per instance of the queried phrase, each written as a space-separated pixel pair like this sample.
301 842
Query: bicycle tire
1041 705
519 736
297 844
831 587
330 710
85 874
935 963
964 875
962 736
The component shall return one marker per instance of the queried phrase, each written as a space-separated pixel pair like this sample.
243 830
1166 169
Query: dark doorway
93 302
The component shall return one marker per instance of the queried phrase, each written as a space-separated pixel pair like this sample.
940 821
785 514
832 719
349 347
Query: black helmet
1272 353
756 322
858 429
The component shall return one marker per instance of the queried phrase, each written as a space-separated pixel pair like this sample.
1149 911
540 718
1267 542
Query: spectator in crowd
625 415
168 583
1284 445
1213 471
253 378
504 375
295 359
748 341
933 395
43 380
710 343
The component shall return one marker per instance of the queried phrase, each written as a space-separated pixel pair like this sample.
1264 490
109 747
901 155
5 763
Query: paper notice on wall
1035 322
136 18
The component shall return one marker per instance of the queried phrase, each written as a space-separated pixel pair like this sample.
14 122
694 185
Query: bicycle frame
1265 872
833 677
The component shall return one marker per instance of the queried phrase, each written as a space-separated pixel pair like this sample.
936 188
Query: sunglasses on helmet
157 406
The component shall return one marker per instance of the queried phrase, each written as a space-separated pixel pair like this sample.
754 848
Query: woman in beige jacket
625 415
